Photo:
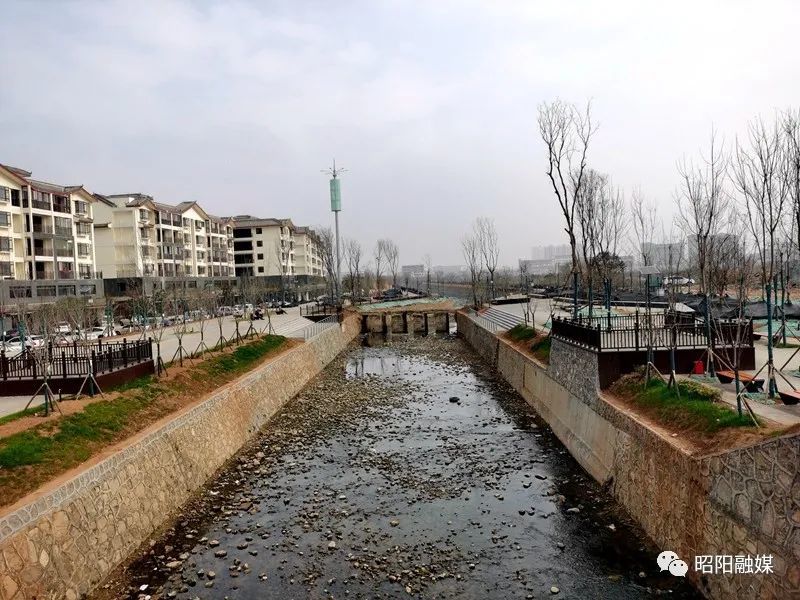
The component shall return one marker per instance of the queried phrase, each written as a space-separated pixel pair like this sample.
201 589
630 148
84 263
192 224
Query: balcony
63 231
42 228
62 207
65 252
45 274
41 204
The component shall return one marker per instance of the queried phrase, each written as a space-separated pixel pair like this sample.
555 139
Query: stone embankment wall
66 539
739 502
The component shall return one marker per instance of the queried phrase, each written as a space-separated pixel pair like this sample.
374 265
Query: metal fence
314 310
483 321
660 330
75 360
313 330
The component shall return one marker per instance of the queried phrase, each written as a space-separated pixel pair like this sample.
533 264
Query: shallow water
373 483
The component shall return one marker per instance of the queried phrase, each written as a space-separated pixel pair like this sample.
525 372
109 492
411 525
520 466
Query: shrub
521 332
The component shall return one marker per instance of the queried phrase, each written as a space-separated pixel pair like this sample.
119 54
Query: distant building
666 257
550 252
544 266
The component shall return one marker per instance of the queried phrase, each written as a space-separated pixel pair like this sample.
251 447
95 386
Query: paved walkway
779 413
289 324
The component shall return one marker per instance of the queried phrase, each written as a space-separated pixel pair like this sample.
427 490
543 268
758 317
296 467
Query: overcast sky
431 105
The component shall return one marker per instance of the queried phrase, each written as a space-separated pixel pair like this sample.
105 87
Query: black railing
660 330
313 309
75 360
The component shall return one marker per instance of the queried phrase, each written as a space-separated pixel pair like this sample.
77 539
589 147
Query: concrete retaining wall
741 502
65 539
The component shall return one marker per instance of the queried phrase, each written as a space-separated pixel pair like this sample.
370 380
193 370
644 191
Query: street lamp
336 207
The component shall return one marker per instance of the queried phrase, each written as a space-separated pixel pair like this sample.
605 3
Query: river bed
408 469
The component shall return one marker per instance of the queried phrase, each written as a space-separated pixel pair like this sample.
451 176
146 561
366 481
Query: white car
14 344
63 327
95 333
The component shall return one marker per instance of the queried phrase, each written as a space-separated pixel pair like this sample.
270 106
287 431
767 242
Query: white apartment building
138 237
264 247
45 229
308 255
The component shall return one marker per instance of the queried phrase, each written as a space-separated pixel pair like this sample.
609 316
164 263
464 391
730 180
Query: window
80 207
5 219
260 269
85 271
258 230
5 194
142 214
259 243
260 257
5 244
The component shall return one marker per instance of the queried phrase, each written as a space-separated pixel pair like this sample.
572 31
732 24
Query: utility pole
336 207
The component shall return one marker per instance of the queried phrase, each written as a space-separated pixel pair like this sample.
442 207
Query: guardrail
482 321
638 332
314 329
75 359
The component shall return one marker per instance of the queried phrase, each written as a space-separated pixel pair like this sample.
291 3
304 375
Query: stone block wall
66 539
744 501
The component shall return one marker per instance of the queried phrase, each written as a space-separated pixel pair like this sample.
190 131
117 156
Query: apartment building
264 247
308 254
139 237
46 234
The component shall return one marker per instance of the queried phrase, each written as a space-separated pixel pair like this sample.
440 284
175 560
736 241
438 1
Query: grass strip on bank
526 337
32 457
698 408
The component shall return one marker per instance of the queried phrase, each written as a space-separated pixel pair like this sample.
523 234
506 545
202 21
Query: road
287 324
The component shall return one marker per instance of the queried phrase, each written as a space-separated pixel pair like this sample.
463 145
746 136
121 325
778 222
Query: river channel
406 469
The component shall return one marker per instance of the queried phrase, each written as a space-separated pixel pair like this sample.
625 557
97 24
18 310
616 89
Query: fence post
94 363
150 348
124 352
74 350
110 359
64 363
4 364
636 331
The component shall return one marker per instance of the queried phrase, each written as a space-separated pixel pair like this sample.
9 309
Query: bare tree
471 249
644 219
702 200
379 256
327 250
759 174
566 132
352 253
392 253
791 128
486 234
428 263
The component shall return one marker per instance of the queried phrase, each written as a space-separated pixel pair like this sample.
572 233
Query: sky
430 105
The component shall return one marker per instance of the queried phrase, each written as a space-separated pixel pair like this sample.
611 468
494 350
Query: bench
789 396
751 384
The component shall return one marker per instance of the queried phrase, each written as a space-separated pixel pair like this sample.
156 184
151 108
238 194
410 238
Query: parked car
63 327
14 344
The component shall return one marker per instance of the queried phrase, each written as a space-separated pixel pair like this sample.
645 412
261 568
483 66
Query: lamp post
336 207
